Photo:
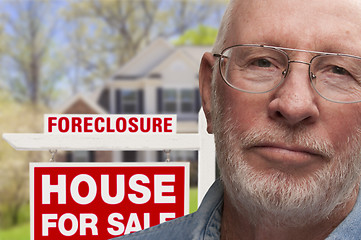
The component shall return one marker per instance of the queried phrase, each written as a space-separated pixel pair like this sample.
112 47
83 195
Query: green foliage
23 216
14 177
201 36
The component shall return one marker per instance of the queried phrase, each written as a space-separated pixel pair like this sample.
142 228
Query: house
160 79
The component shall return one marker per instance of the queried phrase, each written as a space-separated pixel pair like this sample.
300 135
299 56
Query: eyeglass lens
257 69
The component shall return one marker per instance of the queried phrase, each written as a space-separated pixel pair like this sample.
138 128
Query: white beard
278 198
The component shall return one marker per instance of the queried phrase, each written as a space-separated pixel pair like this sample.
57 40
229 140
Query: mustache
298 138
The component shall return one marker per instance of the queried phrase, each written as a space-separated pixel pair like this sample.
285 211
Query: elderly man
281 92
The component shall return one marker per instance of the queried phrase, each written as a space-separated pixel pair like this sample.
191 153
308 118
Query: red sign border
34 165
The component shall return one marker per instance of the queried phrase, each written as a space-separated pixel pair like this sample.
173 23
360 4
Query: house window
178 101
187 101
129 101
129 156
182 156
80 156
170 101
178 156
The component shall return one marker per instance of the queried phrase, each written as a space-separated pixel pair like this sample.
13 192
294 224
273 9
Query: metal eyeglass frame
285 72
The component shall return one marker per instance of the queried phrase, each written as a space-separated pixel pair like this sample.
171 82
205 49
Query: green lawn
22 232
193 196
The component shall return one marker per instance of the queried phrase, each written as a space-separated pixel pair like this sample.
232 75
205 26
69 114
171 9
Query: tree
26 56
104 34
201 36
45 43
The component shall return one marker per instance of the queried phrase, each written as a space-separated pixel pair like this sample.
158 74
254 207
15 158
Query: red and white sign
109 123
102 201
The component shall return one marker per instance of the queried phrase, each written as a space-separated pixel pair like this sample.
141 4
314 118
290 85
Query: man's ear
205 87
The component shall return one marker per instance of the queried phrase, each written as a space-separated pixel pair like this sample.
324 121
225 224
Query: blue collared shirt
205 223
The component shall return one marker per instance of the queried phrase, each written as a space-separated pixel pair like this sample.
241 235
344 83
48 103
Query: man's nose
294 101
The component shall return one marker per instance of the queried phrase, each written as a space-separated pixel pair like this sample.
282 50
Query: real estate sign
102 201
109 124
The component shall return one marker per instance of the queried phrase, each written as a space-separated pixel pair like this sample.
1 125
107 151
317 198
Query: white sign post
98 139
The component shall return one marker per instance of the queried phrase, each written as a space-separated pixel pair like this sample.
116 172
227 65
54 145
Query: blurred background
96 57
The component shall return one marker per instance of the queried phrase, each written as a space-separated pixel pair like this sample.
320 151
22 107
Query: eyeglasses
255 68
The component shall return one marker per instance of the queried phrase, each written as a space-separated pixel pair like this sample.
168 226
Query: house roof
177 54
149 60
196 52
80 100
145 60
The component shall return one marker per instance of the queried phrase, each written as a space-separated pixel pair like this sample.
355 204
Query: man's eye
339 70
264 63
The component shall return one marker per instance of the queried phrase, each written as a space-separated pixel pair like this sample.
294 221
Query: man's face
289 153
